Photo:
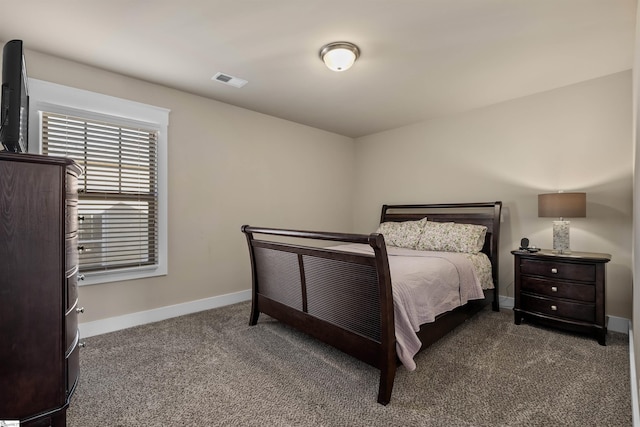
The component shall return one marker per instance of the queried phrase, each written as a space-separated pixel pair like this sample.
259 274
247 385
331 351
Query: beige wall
227 167
636 210
573 138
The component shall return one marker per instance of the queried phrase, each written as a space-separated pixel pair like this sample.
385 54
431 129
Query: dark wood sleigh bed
345 299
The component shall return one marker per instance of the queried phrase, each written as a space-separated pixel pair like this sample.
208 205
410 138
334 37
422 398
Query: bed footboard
343 299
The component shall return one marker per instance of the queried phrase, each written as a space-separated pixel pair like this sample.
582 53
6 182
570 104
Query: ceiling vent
229 80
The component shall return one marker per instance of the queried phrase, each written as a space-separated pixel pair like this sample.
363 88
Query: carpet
213 369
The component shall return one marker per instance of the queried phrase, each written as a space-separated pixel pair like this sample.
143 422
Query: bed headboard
487 214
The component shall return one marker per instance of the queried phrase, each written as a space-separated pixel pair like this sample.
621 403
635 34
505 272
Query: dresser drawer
559 270
71 248
71 326
72 290
559 289
73 366
71 217
558 308
72 185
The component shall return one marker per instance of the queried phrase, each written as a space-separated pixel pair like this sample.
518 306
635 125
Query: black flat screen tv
15 99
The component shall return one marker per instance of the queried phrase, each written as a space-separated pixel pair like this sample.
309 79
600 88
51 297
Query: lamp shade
562 205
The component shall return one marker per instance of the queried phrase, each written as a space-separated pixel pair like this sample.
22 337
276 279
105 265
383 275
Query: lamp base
561 237
561 251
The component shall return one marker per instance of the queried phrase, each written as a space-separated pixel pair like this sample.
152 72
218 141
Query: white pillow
403 234
452 237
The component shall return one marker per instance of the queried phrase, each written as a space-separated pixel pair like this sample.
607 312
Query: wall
635 335
576 138
230 166
227 167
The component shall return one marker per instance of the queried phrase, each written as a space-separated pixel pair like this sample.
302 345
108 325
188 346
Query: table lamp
562 205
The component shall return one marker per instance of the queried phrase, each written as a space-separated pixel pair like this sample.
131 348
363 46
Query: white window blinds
118 198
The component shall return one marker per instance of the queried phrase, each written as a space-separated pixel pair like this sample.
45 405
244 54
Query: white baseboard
103 326
635 409
614 323
506 303
618 324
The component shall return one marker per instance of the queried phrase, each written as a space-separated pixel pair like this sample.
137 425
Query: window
117 193
122 193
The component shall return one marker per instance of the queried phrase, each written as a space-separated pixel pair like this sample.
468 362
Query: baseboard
618 324
103 326
506 303
635 409
614 323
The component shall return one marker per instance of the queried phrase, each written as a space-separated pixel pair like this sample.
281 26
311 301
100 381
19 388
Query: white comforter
425 284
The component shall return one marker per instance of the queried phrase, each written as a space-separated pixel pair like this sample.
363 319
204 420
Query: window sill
95 278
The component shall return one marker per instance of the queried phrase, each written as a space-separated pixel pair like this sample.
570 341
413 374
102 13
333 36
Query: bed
337 287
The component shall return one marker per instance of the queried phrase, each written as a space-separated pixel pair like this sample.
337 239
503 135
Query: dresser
39 360
562 290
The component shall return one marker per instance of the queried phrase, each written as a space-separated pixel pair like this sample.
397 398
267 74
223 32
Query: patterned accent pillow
403 234
452 237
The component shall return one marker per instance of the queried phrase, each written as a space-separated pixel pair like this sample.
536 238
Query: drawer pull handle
82 344
554 270
554 289
554 308
80 310
80 249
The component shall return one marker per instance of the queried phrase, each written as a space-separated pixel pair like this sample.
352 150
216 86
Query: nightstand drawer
559 270
558 308
561 290
544 287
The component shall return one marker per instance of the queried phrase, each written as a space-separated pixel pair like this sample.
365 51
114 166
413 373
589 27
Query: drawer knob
554 308
554 289
81 344
81 249
554 270
80 276
80 310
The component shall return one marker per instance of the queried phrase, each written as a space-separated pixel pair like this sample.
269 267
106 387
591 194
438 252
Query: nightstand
562 290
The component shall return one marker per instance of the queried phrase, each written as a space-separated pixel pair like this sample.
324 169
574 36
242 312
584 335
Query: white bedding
426 284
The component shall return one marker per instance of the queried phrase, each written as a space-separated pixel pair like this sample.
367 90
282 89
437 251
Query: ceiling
420 59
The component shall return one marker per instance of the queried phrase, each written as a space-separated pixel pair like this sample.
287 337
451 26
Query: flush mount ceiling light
339 56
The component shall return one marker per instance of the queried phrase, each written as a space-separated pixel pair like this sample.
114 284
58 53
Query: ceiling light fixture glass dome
339 56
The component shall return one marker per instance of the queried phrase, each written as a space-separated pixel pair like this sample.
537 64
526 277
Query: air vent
229 80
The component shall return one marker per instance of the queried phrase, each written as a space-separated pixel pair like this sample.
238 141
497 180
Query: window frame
51 97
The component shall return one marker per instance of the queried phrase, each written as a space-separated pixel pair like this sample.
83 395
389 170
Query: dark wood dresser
562 290
39 360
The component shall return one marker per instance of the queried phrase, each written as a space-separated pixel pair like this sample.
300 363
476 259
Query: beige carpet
212 369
